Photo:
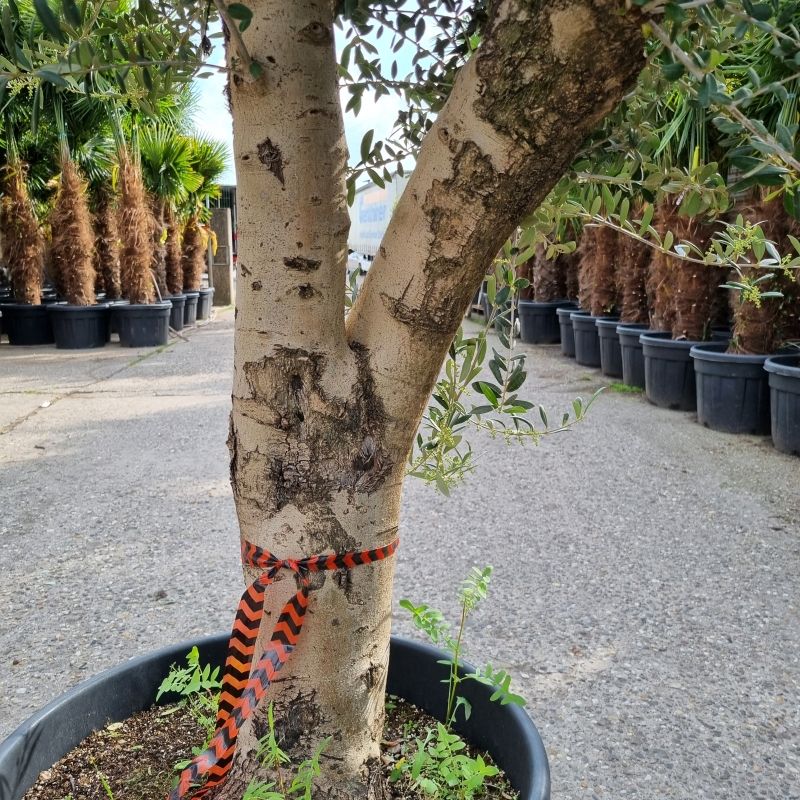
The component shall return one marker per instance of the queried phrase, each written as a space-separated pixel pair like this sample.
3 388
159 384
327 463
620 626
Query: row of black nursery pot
754 394
417 673
85 327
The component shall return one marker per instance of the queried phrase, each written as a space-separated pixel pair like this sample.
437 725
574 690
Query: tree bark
324 416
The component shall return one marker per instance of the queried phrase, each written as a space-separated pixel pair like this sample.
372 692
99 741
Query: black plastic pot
112 320
204 302
610 352
26 324
79 327
190 309
564 316
631 352
587 340
143 325
538 321
506 732
178 309
732 390
669 371
784 389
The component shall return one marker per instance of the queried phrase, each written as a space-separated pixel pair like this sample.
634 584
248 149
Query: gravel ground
645 587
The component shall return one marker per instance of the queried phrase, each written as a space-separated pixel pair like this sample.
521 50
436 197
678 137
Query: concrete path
646 569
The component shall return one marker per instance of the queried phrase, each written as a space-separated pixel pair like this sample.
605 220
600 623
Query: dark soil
135 759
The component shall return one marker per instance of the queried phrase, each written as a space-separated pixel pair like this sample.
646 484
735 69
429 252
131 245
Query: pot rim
67 308
716 352
607 322
517 735
544 303
669 343
159 305
787 365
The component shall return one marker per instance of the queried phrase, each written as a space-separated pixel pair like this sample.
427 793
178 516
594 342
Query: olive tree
325 407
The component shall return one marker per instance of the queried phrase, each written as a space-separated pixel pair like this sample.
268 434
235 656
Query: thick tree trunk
323 417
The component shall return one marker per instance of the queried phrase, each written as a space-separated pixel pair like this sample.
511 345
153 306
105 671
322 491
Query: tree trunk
159 267
323 417
173 254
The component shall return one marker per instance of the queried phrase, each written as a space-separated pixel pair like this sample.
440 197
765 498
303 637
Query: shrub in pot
81 323
25 320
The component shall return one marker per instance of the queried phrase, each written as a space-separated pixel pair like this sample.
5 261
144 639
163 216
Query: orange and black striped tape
242 689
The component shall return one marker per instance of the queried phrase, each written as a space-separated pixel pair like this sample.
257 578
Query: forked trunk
324 415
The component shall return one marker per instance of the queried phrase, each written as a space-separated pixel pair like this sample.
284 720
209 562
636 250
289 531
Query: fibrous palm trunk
106 244
193 257
159 266
23 246
72 249
173 254
136 234
604 280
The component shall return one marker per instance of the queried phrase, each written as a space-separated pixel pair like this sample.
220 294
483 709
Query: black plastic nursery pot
538 321
610 352
506 732
178 309
732 390
631 352
26 324
204 302
190 309
567 332
587 339
143 325
669 371
784 389
79 327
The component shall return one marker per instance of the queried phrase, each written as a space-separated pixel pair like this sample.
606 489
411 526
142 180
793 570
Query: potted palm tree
144 322
166 156
209 160
80 323
600 274
537 314
634 263
733 391
25 321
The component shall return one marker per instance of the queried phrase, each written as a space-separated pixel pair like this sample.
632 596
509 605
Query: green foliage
191 679
196 684
462 401
474 589
439 766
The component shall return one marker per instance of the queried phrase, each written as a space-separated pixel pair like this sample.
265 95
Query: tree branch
544 76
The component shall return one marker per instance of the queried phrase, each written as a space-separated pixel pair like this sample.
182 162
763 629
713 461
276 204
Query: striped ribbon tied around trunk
242 689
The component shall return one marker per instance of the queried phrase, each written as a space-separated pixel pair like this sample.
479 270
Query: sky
212 117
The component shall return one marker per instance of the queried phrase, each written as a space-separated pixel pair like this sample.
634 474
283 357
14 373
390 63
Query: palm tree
208 159
166 157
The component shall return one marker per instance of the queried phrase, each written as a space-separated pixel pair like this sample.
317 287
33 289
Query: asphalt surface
646 569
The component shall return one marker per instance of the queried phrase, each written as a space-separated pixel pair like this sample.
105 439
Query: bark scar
270 156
